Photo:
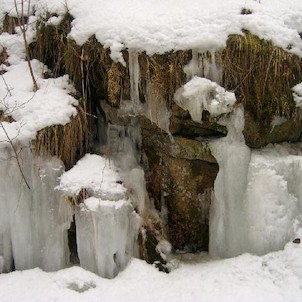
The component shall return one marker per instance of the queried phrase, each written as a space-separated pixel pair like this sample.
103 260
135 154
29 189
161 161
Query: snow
32 111
202 94
274 277
97 174
257 203
159 26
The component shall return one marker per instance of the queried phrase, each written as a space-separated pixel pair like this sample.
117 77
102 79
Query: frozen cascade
125 147
33 224
228 225
274 197
155 108
257 194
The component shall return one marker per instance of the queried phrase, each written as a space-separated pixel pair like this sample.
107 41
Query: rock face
181 175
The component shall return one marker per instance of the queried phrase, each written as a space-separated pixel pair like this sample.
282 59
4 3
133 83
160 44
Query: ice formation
297 94
202 94
155 106
106 235
257 195
33 223
228 214
106 223
273 197
124 144
202 65
134 73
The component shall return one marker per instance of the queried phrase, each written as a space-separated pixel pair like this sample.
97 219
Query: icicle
193 68
134 77
211 70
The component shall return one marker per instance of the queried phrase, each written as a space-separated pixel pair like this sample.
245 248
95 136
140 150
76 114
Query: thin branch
23 28
16 155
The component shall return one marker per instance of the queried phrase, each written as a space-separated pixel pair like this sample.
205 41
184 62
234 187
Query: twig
23 28
16 155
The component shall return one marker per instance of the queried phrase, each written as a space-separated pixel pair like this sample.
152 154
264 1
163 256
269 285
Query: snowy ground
274 277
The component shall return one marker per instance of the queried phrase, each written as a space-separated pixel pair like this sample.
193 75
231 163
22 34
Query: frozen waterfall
228 225
257 194
33 223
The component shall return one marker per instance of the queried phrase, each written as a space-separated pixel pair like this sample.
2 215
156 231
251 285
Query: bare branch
16 155
23 27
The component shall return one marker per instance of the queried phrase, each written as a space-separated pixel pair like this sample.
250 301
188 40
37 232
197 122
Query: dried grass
68 142
50 45
261 75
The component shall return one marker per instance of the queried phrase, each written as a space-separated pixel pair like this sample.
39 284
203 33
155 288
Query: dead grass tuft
68 142
261 75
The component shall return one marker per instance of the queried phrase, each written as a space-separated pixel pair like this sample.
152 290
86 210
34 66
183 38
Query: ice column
106 223
33 223
228 216
106 235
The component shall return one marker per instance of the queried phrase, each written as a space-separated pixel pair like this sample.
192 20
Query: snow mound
98 175
202 94
32 111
